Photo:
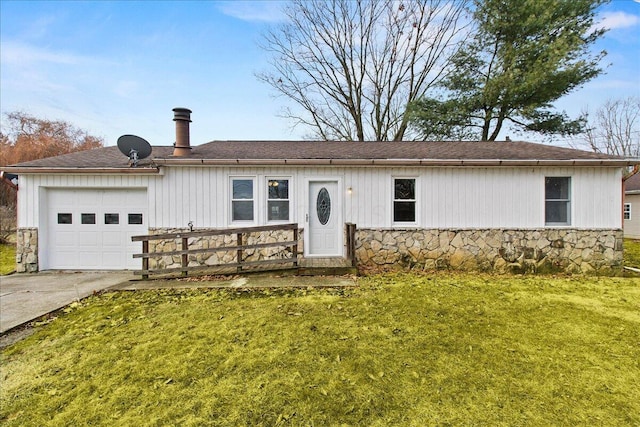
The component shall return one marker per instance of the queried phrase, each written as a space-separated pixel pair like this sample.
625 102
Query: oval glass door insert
323 206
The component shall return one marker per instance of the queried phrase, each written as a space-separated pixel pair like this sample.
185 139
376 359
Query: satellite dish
134 147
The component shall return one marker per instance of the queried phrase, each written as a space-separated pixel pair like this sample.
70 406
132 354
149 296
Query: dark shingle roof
388 150
298 152
105 157
632 185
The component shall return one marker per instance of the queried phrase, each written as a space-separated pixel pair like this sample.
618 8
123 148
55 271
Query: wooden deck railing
351 243
239 249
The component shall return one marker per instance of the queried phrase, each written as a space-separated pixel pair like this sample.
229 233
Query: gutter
394 162
79 171
190 161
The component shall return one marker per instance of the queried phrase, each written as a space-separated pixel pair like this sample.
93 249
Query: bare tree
24 137
615 128
353 66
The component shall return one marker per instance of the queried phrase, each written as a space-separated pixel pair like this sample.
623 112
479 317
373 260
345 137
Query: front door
325 219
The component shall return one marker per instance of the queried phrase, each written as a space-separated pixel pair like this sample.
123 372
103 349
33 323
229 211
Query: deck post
185 257
239 253
294 249
351 243
145 260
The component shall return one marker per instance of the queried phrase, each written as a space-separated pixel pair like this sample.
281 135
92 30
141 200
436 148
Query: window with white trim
242 199
557 194
404 200
626 212
277 199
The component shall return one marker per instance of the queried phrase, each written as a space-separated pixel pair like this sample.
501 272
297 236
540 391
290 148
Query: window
557 200
278 200
242 199
626 212
112 218
88 218
135 219
323 206
64 218
404 200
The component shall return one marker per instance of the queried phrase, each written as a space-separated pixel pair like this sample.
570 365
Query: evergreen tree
524 55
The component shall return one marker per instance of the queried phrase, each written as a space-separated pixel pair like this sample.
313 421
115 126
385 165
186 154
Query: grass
407 350
632 253
7 259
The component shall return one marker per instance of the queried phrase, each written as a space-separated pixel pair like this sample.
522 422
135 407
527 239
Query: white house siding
500 197
632 225
448 198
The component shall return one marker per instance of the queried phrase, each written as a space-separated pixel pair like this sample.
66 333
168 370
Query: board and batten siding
448 197
500 197
32 190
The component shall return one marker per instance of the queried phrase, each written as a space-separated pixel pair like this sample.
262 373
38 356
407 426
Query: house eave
392 162
80 171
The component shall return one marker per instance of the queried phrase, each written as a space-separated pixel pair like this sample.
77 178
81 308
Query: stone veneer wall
222 257
27 250
498 250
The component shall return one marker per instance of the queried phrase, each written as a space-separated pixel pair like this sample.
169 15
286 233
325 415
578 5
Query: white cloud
617 20
254 11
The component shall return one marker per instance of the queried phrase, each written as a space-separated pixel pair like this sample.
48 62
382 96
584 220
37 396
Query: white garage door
91 229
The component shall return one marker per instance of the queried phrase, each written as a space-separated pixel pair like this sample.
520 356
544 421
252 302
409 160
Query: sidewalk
25 297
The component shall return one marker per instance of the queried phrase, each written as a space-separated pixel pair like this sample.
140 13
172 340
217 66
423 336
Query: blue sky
115 68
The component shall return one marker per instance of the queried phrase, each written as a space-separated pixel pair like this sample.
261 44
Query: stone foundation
496 250
27 250
221 257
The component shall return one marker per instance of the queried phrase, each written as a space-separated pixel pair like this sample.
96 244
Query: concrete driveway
25 297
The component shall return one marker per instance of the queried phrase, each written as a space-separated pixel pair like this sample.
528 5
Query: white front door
325 219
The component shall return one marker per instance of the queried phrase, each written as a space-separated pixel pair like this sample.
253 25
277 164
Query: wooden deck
325 267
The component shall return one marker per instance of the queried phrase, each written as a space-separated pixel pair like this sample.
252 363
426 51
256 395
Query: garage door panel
88 239
112 259
64 258
112 238
98 236
89 200
90 259
65 239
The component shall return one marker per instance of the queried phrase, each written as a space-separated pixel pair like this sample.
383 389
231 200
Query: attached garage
91 229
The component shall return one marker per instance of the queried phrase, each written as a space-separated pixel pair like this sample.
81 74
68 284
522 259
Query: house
631 209
489 206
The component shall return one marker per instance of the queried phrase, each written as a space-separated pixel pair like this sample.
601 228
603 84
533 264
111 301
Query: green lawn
398 350
7 259
632 253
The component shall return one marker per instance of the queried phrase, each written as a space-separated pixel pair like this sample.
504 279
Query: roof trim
393 162
78 171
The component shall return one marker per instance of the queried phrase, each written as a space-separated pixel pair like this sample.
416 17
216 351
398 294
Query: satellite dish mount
134 147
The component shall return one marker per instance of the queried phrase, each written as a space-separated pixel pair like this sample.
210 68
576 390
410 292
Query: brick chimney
182 117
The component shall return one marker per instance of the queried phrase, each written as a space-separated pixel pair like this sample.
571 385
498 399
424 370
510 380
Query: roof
632 185
95 160
455 153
